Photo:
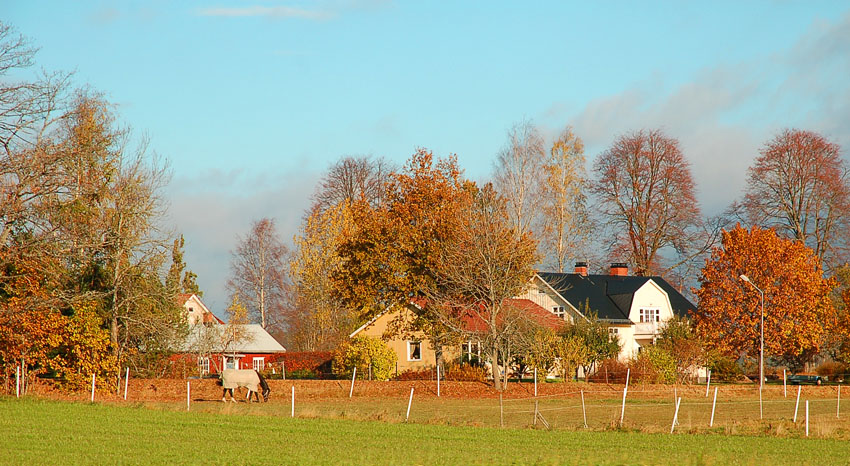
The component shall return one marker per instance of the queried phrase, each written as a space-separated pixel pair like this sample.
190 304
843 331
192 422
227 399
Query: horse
248 378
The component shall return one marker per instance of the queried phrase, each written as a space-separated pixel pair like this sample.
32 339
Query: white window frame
559 311
650 315
410 345
204 365
259 364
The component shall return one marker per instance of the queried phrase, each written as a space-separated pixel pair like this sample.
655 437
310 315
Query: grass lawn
34 431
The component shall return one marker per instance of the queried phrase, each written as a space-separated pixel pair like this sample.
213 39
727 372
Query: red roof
475 323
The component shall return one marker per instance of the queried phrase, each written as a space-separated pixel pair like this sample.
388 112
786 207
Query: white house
635 308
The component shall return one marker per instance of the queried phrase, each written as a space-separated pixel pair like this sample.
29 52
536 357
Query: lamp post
761 349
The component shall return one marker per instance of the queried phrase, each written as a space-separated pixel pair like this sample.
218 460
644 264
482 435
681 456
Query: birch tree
518 172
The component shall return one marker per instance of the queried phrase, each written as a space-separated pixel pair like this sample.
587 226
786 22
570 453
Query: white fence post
583 410
293 402
797 405
713 404
838 404
623 408
675 414
784 384
353 375
126 382
188 395
708 383
18 382
409 402
438 380
761 405
92 388
535 381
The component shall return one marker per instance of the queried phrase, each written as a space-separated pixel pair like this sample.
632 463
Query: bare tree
799 186
646 194
485 264
352 179
517 172
565 222
257 271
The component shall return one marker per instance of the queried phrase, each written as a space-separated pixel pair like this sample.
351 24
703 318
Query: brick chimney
619 269
581 268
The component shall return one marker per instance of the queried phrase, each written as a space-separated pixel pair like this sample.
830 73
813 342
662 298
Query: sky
251 101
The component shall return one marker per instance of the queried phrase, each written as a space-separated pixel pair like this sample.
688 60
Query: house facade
634 308
218 346
414 350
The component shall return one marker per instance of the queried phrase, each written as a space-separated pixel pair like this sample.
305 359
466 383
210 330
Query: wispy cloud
275 12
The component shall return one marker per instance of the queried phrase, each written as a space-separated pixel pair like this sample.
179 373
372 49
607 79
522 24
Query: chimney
619 269
581 268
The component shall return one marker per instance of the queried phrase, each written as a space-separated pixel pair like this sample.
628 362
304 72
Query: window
231 362
259 364
414 351
204 365
559 311
541 291
650 315
472 352
613 330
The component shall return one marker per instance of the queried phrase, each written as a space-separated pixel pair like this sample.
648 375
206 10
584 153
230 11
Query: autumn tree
258 273
594 336
518 167
481 266
646 194
797 308
565 220
391 258
799 186
679 339
315 321
352 179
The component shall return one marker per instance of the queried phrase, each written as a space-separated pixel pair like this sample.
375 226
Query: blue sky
251 100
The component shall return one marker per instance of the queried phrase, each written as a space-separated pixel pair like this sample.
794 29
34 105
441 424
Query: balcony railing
647 328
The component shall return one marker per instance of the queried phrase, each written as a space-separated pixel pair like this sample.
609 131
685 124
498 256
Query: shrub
654 365
830 369
610 371
725 369
364 353
316 362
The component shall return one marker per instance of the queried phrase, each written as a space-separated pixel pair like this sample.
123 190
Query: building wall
547 299
400 346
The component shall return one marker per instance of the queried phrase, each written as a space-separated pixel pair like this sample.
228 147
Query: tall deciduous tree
797 308
517 173
481 266
646 193
352 179
799 186
316 321
566 223
258 273
178 279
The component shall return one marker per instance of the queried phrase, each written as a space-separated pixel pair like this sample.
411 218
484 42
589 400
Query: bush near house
368 355
832 370
654 365
610 371
725 369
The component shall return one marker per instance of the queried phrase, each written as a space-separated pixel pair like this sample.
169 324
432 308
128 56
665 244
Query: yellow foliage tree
798 312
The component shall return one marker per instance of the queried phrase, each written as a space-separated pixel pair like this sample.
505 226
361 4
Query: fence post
583 410
351 392
293 402
409 402
708 383
807 418
126 382
838 404
283 368
188 394
18 382
797 405
92 388
535 381
438 380
713 404
761 406
623 408
534 421
675 415
628 374
784 384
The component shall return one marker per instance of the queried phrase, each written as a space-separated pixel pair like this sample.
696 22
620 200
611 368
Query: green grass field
34 431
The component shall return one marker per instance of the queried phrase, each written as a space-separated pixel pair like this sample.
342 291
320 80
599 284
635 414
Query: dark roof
610 295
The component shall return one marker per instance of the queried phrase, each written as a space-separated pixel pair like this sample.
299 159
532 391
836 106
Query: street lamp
761 350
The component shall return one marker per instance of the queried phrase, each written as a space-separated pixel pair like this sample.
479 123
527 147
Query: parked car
800 379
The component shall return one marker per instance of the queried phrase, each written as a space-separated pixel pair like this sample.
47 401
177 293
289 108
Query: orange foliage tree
798 311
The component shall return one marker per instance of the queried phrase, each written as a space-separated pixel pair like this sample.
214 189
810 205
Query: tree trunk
494 361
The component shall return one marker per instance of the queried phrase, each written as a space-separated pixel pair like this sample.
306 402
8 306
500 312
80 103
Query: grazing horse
248 378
